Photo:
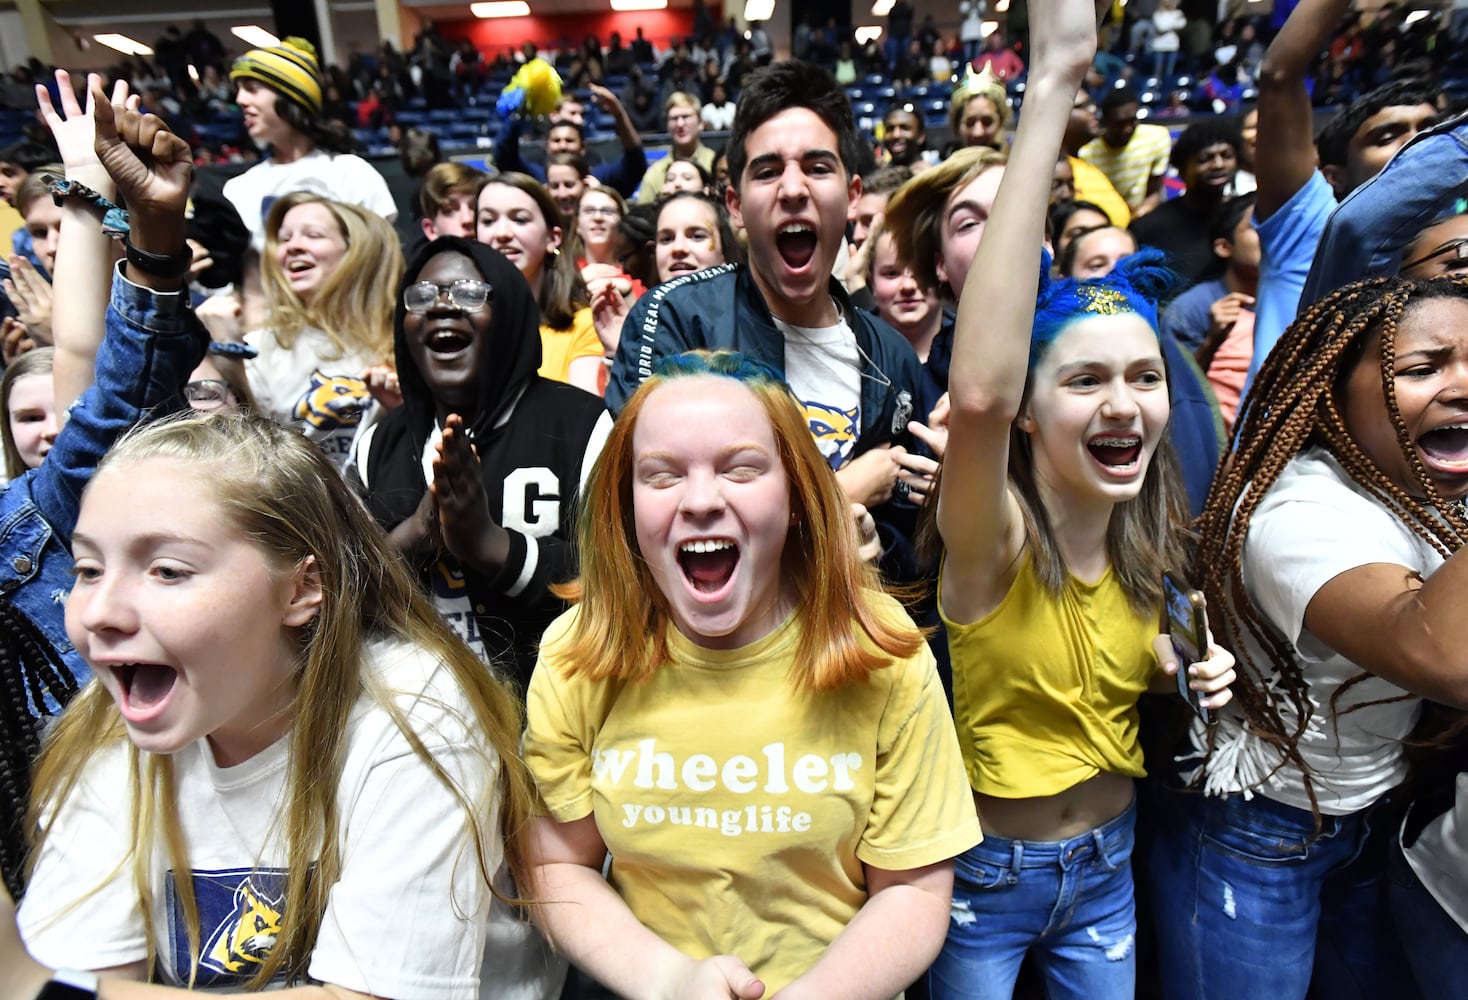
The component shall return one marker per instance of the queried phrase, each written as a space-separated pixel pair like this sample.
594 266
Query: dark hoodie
535 439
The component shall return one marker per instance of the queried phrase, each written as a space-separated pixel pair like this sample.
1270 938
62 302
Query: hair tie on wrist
243 352
114 217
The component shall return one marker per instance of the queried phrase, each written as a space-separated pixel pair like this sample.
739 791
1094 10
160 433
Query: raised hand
73 128
221 316
605 99
151 166
1063 35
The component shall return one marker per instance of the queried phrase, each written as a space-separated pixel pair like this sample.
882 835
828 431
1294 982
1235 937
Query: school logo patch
333 401
447 580
239 923
833 429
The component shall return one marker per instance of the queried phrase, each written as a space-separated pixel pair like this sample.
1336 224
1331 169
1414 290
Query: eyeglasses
602 212
209 394
1458 249
465 294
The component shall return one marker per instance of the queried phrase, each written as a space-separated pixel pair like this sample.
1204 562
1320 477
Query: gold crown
984 83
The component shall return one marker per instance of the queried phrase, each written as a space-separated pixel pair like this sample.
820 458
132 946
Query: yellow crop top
1045 688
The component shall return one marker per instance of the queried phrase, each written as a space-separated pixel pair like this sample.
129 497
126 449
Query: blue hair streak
1134 286
727 364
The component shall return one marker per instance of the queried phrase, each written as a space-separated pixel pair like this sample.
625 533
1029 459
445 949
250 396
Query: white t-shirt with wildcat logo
313 387
823 369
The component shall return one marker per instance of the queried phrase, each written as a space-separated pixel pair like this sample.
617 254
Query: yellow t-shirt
1045 687
1094 186
558 348
10 222
1133 165
739 812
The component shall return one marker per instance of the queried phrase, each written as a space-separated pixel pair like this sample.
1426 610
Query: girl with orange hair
737 712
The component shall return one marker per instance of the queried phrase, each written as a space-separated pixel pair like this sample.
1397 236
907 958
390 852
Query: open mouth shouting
796 242
1444 450
448 342
708 566
143 689
1118 455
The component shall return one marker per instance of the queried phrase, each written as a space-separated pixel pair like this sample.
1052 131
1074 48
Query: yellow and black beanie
290 69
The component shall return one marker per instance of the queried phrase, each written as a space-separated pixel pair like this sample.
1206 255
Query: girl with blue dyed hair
1059 511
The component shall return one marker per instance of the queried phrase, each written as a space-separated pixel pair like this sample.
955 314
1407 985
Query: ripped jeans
1252 905
1070 902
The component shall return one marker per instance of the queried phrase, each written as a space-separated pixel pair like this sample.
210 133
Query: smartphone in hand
1185 621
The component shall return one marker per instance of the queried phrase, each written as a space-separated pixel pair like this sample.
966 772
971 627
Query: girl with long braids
1059 512
1330 554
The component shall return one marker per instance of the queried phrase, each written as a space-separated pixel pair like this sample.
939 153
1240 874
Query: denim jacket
151 346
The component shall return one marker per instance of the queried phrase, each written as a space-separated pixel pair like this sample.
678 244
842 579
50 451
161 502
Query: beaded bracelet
114 218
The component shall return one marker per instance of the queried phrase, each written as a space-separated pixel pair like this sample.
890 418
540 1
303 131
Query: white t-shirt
823 369
1168 23
314 388
1440 857
340 177
718 117
409 914
1315 524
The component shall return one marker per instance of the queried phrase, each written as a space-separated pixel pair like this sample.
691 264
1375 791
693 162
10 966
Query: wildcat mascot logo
333 401
239 924
833 429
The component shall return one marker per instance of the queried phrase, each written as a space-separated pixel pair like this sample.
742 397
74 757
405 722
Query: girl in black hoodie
476 475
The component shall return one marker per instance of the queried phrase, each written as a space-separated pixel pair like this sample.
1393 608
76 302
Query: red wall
556 31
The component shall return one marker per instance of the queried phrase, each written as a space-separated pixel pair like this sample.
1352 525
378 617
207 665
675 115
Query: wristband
229 349
157 264
114 218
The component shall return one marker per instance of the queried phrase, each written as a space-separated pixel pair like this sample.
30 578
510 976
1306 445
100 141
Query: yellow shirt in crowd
739 811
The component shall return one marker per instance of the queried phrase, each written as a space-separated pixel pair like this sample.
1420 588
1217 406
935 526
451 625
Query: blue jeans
1435 946
1251 903
1070 901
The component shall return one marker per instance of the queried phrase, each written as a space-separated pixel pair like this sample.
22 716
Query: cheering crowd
798 568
